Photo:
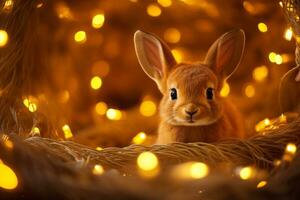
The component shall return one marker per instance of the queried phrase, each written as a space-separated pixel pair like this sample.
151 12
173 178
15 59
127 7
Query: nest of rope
52 169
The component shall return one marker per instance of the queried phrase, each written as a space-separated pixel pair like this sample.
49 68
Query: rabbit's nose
191 113
191 109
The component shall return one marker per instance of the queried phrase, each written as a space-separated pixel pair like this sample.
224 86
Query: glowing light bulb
172 35
8 178
262 27
153 10
99 148
148 108
261 184
282 118
67 131
3 38
225 90
80 37
98 21
147 161
291 148
8 5
190 170
35 131
98 170
250 91
288 34
272 57
165 3
246 173
32 107
198 170
139 138
178 55
96 83
260 73
278 59
101 108
113 114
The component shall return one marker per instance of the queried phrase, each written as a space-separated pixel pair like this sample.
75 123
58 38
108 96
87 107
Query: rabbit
191 109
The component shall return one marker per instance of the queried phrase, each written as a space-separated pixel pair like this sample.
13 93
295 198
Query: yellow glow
3 38
147 161
35 131
165 3
8 5
99 148
67 131
139 138
8 144
282 118
246 173
260 73
8 178
249 7
288 34
278 59
250 91
262 27
113 114
267 122
98 21
98 170
101 108
178 55
261 184
172 35
96 83
80 36
148 108
39 5
291 148
32 107
199 170
225 90
153 10
272 57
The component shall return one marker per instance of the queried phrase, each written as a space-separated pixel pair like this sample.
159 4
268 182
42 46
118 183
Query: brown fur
213 119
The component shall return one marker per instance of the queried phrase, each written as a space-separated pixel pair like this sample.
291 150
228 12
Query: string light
288 34
28 102
261 184
282 118
190 170
80 37
278 59
147 161
225 90
260 73
246 173
139 138
98 21
99 148
198 170
148 108
153 10
8 178
113 114
3 38
275 58
101 108
98 170
67 131
96 83
172 35
250 91
35 131
291 148
165 3
262 27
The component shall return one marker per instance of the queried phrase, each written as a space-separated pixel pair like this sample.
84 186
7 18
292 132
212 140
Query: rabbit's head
190 90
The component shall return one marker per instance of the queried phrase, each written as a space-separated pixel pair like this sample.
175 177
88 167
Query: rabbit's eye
209 93
173 94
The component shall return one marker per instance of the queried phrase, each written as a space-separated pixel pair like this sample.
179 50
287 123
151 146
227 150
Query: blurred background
72 64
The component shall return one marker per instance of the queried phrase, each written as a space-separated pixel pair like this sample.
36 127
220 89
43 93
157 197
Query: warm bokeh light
178 54
99 148
165 3
32 107
80 36
139 138
98 21
8 144
3 38
291 148
172 35
225 90
96 83
8 5
278 59
272 57
113 114
260 73
148 108
249 91
288 34
101 108
67 131
98 170
262 27
282 118
8 178
190 170
246 173
147 161
153 10
261 184
199 170
35 131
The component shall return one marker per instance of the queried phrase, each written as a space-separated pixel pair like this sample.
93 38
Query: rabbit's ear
289 91
154 56
225 54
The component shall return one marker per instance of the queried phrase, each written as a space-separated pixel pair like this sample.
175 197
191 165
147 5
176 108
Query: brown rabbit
191 109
